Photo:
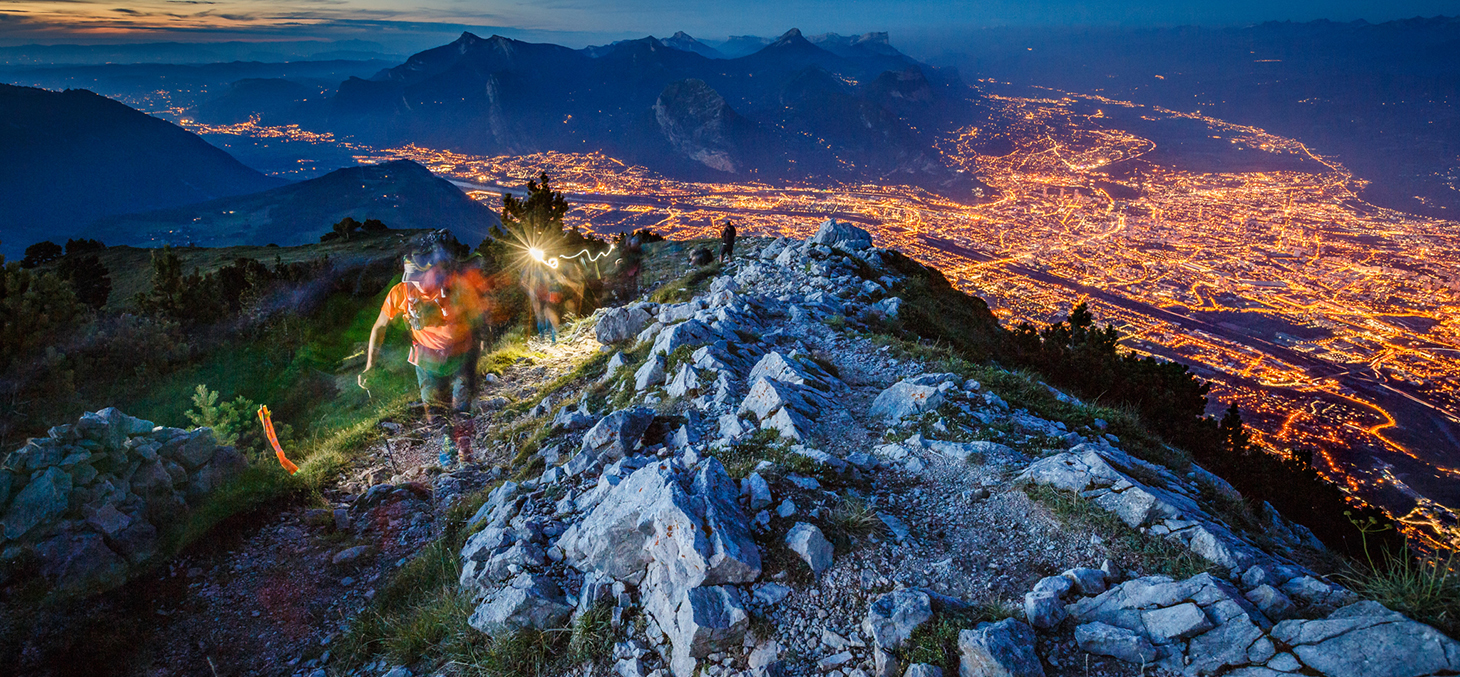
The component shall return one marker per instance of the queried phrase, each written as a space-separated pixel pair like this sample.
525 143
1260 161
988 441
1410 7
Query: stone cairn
89 501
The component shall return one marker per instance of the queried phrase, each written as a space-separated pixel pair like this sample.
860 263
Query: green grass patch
741 457
687 285
935 642
849 519
1425 587
1128 547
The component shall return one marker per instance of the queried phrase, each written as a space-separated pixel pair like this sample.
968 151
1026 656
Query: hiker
629 263
444 303
544 292
727 242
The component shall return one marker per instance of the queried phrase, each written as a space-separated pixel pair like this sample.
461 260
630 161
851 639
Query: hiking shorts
449 379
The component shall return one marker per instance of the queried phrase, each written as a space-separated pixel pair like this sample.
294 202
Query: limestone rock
650 374
700 538
1003 649
1043 609
923 670
1365 638
80 563
758 490
618 433
834 233
807 541
687 333
1175 622
43 499
892 618
1108 640
904 399
620 324
529 601
1271 601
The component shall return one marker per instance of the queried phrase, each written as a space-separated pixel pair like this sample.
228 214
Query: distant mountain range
402 194
69 158
849 108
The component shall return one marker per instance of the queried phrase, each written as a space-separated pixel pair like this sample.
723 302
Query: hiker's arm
376 334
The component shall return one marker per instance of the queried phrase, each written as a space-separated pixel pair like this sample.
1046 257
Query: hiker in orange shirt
445 304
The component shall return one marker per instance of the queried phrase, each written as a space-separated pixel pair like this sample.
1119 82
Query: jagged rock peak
790 37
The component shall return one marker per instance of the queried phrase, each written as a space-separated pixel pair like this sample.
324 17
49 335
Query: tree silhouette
89 277
40 254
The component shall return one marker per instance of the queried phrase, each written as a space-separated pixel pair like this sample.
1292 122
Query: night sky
413 25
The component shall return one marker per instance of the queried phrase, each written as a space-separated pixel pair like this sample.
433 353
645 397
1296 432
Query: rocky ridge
781 496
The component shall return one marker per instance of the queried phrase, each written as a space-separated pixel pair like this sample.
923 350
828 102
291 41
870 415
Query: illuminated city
1331 323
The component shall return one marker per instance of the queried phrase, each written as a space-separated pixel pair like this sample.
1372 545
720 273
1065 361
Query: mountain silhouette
792 110
71 157
402 194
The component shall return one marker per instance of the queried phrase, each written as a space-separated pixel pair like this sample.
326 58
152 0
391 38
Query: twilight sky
412 24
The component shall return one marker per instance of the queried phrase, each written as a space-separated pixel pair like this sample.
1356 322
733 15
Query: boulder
1224 646
923 670
757 491
528 601
686 382
1365 638
1043 609
699 538
1271 602
893 617
688 333
807 541
834 233
1002 649
650 374
616 435
1108 640
1087 581
708 619
620 324
768 395
904 399
1175 622
42 500
80 563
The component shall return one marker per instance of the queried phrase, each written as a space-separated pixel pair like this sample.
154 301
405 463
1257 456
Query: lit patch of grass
1128 547
686 286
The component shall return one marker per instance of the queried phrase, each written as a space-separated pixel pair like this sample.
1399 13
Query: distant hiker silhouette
727 242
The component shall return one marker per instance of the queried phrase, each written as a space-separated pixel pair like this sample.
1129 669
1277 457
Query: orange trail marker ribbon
268 422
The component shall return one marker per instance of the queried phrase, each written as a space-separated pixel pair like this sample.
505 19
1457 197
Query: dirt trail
270 592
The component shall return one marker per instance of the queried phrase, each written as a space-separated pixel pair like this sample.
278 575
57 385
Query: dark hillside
72 157
402 194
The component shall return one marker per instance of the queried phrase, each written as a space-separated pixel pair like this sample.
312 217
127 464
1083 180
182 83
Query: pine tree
89 277
537 219
1233 436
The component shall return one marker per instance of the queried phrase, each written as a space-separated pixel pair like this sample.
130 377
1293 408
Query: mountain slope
402 194
503 96
72 157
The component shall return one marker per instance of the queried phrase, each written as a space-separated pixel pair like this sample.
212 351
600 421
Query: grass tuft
1130 548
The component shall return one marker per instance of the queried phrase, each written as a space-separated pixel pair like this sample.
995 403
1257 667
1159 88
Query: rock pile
1206 625
89 500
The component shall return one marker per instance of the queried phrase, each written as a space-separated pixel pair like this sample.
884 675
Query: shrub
234 423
